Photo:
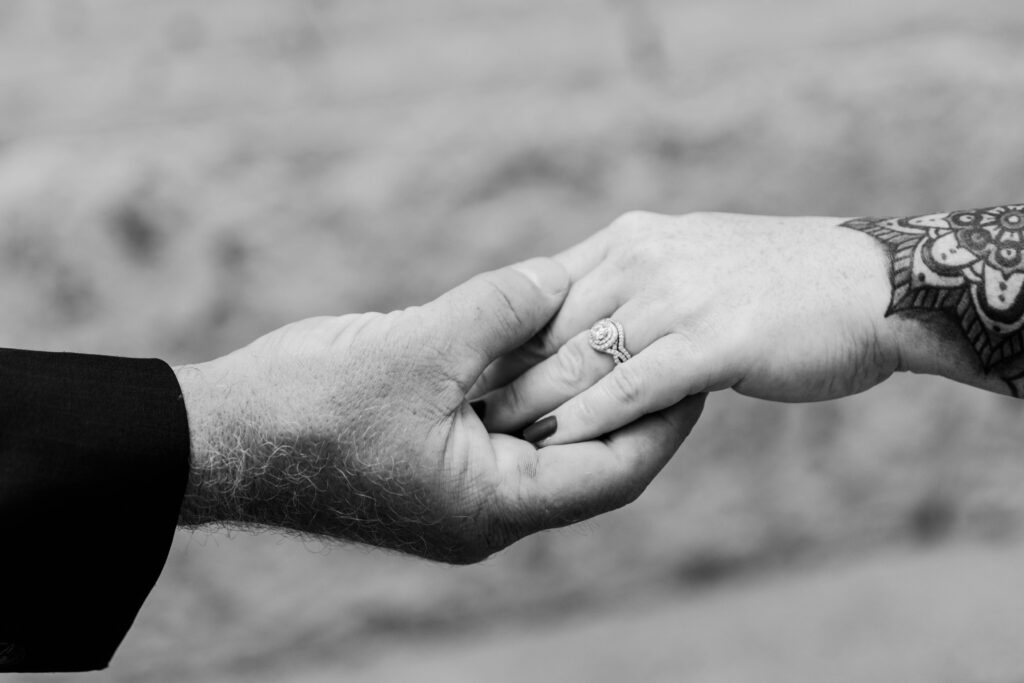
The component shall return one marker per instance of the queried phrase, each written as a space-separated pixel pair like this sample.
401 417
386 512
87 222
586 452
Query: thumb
496 312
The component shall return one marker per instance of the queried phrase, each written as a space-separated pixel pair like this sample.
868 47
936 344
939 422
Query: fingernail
480 408
547 274
541 429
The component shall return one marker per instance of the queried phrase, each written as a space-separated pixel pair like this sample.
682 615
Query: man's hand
788 309
357 428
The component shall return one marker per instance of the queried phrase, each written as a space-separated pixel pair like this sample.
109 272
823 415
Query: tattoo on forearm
967 265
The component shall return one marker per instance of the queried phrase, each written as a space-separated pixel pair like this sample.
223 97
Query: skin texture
357 428
968 266
785 309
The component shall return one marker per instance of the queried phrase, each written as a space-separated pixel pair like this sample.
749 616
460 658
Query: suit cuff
94 458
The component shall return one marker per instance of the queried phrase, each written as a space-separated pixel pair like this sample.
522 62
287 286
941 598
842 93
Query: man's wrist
244 471
205 391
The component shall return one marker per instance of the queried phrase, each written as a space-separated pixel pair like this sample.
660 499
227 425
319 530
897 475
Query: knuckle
625 384
582 410
542 345
572 365
644 253
546 341
682 345
633 221
511 397
505 316
640 235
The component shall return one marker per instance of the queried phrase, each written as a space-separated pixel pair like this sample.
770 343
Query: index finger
592 297
579 260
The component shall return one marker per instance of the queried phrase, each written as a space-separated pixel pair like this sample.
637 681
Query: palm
510 477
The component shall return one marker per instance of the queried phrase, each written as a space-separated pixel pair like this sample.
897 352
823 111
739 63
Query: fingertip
496 312
548 275
541 430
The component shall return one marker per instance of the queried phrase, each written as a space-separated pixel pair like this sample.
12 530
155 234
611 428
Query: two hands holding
453 429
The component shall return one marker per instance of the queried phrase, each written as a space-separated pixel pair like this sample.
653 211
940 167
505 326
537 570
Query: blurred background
178 178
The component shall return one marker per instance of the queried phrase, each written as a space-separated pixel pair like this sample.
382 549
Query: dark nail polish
480 408
541 429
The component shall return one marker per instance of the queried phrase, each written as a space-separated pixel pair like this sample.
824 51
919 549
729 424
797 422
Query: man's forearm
957 297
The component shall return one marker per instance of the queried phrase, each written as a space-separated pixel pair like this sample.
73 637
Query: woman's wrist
920 342
956 293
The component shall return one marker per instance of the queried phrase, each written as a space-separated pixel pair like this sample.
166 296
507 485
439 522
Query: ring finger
575 367
589 299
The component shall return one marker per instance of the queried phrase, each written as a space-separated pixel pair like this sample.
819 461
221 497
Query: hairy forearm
222 443
957 293
246 473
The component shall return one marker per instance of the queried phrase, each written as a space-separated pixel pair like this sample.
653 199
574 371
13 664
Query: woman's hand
787 309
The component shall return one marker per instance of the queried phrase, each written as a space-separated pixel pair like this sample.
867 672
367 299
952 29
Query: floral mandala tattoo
967 264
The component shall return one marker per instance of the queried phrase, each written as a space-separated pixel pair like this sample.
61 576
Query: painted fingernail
480 408
541 429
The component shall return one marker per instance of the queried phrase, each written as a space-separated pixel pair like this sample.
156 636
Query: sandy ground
177 178
954 614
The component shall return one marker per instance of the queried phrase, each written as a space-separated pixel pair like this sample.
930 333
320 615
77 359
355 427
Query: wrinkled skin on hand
786 309
357 428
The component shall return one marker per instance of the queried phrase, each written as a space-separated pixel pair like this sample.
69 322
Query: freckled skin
779 308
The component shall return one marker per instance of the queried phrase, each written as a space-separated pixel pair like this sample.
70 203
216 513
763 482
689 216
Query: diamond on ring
608 337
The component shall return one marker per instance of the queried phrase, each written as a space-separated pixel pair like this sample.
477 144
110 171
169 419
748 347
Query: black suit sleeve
94 455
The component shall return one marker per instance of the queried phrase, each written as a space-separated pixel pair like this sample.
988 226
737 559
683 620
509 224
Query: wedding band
608 337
